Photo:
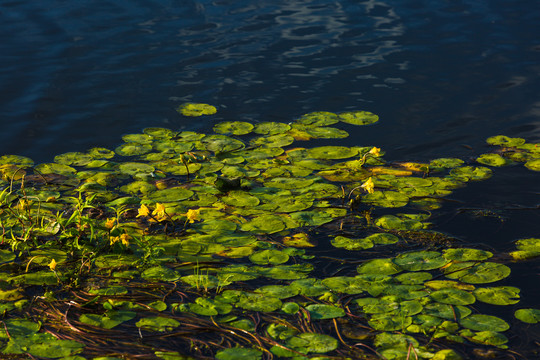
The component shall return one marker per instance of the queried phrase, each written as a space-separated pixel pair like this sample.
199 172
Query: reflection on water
79 74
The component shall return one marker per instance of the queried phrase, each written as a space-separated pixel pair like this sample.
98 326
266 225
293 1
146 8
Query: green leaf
420 260
331 152
268 224
233 128
358 117
170 195
389 199
465 254
351 244
196 109
271 128
322 311
157 323
533 165
481 322
269 256
492 160
379 266
530 316
453 296
221 143
474 273
505 141
108 320
279 291
312 342
503 295
239 353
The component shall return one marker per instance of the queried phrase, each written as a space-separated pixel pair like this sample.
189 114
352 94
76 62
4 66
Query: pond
271 194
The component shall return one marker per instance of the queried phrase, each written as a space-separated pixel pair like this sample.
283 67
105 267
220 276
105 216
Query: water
442 75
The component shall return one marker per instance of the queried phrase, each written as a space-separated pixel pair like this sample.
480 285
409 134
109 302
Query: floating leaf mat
181 245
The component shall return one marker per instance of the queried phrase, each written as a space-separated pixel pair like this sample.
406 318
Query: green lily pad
312 343
358 117
209 307
73 159
446 311
389 199
386 322
489 338
505 141
109 320
110 290
221 144
530 316
170 195
258 302
239 353
277 141
502 295
453 297
474 273
157 323
471 173
279 291
53 168
42 345
445 163
271 128
331 152
268 224
379 266
533 165
160 273
133 149
21 161
322 311
393 222
233 127
319 118
240 198
420 260
18 328
269 256
133 168
351 244
481 322
465 254
196 109
309 287
492 160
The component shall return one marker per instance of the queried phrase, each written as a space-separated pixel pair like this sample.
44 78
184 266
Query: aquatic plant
214 244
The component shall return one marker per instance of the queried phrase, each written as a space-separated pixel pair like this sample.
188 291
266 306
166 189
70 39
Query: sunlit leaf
530 316
503 295
196 109
481 322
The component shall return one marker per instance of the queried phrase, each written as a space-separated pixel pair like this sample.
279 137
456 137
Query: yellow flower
369 186
375 151
124 238
114 239
159 212
192 215
143 211
109 223
52 265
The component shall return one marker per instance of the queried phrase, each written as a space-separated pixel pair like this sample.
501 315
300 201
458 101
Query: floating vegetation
182 244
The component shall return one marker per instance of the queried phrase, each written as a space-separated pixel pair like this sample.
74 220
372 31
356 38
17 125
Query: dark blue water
76 74
442 75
